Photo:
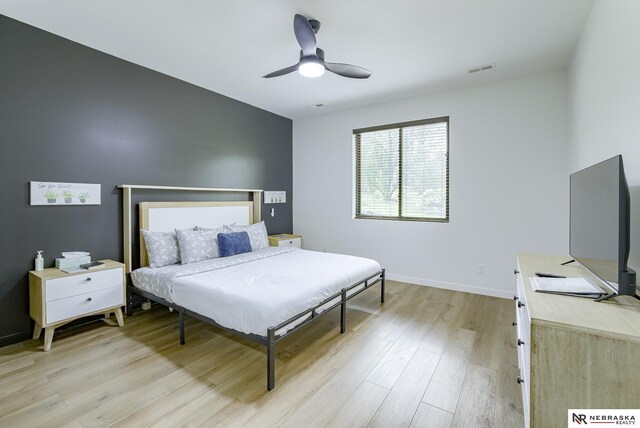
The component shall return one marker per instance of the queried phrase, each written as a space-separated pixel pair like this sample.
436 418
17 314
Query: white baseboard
452 286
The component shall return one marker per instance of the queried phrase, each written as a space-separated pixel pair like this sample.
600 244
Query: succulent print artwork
52 193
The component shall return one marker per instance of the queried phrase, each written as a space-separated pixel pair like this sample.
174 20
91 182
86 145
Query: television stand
566 263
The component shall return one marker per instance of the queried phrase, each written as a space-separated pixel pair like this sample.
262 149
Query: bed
264 295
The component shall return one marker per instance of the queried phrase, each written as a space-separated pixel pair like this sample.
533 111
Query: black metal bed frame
270 339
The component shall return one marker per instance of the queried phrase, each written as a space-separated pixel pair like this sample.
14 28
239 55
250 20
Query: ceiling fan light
311 69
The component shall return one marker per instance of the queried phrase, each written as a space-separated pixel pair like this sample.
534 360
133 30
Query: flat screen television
599 235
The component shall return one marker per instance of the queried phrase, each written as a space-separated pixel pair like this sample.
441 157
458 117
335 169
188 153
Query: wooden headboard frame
128 189
184 215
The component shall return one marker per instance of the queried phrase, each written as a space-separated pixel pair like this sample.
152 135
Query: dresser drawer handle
520 380
88 299
520 304
515 298
516 271
514 323
88 279
520 342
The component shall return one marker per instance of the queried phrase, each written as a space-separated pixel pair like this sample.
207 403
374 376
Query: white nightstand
285 240
56 298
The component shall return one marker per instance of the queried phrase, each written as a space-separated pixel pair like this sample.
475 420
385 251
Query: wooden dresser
573 353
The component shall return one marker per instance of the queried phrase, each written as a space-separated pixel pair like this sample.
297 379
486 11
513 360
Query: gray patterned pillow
257 234
162 248
196 245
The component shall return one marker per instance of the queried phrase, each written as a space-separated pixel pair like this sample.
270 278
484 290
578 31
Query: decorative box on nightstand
285 240
56 298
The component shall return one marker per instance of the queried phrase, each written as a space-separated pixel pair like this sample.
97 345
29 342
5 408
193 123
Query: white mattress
253 295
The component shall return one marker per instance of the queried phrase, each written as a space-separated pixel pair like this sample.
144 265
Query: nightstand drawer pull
515 298
514 323
88 299
520 304
520 380
520 342
88 279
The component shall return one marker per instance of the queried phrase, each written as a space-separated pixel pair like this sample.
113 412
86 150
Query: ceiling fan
312 63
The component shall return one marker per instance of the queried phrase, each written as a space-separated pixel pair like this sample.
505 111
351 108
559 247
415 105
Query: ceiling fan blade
305 35
348 70
281 72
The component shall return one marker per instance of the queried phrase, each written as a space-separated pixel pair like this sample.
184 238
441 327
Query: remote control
549 275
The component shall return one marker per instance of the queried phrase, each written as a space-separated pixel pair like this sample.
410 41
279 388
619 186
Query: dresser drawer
79 284
524 345
524 328
61 309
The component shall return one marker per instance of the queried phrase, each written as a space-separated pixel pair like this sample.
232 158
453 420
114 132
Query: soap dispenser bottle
39 261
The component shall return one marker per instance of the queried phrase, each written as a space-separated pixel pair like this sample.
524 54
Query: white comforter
273 286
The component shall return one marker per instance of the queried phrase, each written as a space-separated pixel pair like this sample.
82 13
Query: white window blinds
402 171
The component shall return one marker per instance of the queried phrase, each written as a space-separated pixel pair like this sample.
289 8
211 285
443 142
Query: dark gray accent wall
69 113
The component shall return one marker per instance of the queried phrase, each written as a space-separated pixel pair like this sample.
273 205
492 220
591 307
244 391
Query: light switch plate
275 197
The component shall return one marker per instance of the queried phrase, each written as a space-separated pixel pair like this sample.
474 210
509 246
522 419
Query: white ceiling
412 46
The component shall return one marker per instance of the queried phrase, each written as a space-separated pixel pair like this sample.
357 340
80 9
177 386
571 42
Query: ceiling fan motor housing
319 54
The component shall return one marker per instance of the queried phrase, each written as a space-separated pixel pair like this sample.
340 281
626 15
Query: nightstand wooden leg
107 315
119 317
48 337
37 329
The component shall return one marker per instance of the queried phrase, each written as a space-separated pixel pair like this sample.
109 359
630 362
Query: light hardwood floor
426 358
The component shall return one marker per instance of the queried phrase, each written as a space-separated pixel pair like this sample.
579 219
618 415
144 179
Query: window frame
357 186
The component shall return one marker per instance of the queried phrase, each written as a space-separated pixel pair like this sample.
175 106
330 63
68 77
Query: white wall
509 185
604 97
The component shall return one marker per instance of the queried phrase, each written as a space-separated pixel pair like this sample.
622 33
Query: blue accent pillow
234 243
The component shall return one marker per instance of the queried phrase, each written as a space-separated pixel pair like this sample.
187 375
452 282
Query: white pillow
197 245
257 234
162 248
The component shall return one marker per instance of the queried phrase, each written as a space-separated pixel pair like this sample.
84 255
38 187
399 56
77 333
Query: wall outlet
480 269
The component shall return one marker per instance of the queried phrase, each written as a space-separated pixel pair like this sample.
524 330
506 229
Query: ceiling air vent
481 68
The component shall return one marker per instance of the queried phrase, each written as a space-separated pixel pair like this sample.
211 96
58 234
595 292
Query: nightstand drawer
285 240
62 288
295 242
82 304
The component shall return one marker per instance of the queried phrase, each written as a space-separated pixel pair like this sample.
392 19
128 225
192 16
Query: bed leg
271 359
343 311
181 327
382 287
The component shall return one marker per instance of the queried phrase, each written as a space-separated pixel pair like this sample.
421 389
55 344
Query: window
402 171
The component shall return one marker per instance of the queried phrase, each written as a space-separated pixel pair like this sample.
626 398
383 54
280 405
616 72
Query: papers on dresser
581 287
73 269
